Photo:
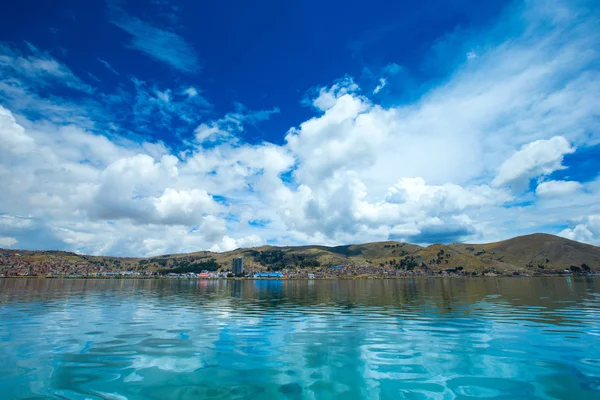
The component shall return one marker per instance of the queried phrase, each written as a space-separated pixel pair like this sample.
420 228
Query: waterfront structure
268 275
238 266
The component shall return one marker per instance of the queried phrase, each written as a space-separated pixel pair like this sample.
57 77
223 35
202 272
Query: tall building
238 266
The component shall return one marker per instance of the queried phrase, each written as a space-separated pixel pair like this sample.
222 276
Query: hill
537 251
530 254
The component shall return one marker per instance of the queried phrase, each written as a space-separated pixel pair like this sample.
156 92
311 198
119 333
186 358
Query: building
238 266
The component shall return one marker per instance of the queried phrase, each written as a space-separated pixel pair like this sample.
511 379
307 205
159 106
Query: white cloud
191 92
184 206
516 100
228 243
541 157
342 209
587 230
380 85
447 196
557 188
6 241
437 169
153 105
326 97
100 197
212 133
14 222
227 128
162 45
121 238
164 96
108 66
392 69
37 68
12 136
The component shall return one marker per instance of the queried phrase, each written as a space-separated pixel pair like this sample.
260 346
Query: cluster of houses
17 264
12 264
201 275
218 275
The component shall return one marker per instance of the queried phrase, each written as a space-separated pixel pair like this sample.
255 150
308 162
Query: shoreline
337 278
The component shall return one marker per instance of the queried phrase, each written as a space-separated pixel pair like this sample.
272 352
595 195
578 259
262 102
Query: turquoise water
438 338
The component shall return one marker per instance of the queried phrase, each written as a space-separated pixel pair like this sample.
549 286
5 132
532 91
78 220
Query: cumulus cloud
6 241
137 188
453 165
129 198
341 209
494 117
13 137
228 243
541 157
586 230
447 196
557 188
326 96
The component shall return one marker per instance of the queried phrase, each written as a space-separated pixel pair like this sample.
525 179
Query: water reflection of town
179 334
385 296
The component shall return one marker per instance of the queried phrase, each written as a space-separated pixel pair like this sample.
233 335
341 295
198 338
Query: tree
585 267
185 266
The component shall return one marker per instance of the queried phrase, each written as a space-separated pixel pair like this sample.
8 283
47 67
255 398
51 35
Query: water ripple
421 338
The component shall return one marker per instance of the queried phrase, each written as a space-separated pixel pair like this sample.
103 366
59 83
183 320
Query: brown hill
530 253
537 251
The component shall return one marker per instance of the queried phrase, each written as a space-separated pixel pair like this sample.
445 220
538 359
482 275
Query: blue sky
137 128
264 62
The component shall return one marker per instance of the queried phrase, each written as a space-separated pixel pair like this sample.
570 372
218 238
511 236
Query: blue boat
268 275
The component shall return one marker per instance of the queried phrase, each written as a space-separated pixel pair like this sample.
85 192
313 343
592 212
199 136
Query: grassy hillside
531 254
537 251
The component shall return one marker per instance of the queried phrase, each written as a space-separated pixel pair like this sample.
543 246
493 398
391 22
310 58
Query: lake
440 338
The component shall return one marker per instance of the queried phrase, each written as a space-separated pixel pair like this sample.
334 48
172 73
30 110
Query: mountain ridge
526 254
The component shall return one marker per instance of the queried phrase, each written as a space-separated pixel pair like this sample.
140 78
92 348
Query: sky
132 128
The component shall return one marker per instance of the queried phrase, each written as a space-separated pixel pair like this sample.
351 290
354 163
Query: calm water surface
378 339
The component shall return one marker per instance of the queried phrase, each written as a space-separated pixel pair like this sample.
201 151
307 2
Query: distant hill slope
535 251
530 253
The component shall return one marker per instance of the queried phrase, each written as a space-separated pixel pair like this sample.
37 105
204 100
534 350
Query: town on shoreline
19 269
530 255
